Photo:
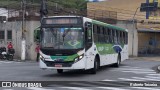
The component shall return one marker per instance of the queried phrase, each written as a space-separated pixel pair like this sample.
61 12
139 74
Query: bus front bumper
78 65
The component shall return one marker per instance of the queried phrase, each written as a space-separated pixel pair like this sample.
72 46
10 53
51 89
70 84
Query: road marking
75 88
128 67
108 80
84 84
153 74
145 88
7 89
153 77
96 86
65 87
137 72
135 69
126 79
112 88
2 62
36 88
146 78
107 83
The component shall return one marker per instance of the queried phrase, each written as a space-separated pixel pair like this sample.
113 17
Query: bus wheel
118 61
96 66
59 70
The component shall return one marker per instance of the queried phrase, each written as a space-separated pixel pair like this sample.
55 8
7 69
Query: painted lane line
89 85
129 67
137 69
112 88
36 88
153 77
106 83
145 88
72 88
83 84
75 88
108 80
126 79
153 74
138 72
145 78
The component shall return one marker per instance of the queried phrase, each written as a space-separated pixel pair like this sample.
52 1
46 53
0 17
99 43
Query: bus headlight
78 58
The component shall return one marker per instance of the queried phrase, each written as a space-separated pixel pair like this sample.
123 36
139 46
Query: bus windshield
63 38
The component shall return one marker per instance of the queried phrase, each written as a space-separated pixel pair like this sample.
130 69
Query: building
122 13
11 31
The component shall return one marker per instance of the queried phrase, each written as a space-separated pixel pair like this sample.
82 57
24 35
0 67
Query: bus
76 42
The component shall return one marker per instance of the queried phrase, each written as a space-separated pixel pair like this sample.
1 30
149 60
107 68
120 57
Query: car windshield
62 38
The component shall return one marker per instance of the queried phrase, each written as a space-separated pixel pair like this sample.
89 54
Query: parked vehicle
4 55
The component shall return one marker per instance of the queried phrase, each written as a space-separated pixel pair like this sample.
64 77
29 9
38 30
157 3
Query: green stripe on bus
107 25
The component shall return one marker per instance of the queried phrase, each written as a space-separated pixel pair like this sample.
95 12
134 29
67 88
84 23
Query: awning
148 30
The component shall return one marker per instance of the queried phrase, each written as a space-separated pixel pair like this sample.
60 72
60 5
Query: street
130 70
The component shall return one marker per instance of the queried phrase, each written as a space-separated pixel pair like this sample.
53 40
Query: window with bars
9 34
1 34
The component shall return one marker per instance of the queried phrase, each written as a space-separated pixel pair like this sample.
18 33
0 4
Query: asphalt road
130 70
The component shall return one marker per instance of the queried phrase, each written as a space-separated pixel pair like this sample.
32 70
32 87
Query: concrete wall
16 27
144 38
132 37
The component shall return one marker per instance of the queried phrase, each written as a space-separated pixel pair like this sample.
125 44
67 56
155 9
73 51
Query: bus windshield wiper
64 34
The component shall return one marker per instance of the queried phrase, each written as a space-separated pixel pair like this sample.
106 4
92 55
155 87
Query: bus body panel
87 62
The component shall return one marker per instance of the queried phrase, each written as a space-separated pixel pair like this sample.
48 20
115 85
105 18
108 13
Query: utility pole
133 38
23 43
43 9
43 13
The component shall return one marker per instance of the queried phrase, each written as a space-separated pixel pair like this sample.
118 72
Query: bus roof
95 22
108 25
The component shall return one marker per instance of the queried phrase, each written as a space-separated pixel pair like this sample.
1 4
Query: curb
18 60
158 68
145 58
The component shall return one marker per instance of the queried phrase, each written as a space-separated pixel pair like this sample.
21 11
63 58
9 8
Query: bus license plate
58 65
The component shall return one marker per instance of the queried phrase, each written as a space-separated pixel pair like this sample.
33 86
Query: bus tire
96 66
59 70
117 64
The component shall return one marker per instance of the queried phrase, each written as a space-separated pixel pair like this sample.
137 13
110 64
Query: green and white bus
75 42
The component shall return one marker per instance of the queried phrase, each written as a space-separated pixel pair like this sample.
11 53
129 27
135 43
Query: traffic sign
149 7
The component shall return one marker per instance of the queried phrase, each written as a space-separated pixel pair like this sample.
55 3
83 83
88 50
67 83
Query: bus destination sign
62 21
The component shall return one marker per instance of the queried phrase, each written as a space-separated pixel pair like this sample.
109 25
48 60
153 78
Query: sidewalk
149 58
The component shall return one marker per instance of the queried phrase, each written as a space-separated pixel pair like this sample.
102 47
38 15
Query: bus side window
118 37
110 35
113 36
95 33
98 34
126 38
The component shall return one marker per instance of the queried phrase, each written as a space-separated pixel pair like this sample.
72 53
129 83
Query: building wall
132 36
16 27
125 8
143 44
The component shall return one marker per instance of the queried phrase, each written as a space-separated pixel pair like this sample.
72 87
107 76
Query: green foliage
77 4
